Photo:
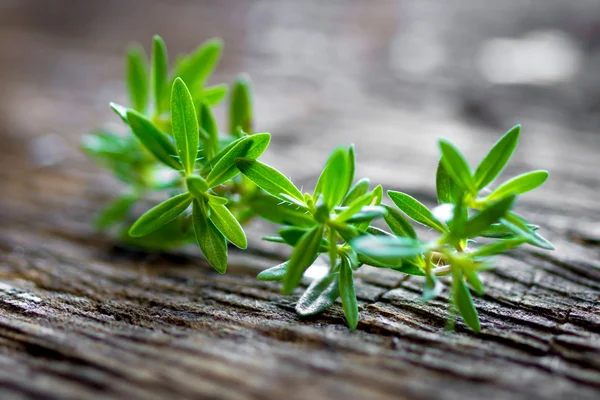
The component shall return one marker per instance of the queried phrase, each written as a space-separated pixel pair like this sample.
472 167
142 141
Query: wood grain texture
83 318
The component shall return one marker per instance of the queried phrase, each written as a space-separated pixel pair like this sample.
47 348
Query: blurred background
390 76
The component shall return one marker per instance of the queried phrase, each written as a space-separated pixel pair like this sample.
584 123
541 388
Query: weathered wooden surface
82 318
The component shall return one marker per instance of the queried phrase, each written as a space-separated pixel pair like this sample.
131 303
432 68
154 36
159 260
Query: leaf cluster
214 183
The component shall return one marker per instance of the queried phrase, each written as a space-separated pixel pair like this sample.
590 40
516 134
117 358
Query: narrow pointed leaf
250 147
120 110
520 184
447 190
319 296
494 162
415 210
456 166
240 107
486 217
198 66
159 75
137 79
388 249
499 231
399 225
275 273
359 189
377 194
351 166
209 238
154 140
348 294
499 246
268 178
271 209
185 125
520 228
304 254
333 182
228 225
463 301
367 214
474 281
160 215
213 95
208 124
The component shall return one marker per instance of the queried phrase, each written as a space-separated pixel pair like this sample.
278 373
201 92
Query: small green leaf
213 95
137 78
351 166
210 137
222 152
377 194
185 125
319 296
198 66
304 254
160 215
154 140
240 106
388 249
275 273
355 206
359 189
116 211
474 281
498 247
415 210
209 238
463 300
348 294
228 225
268 178
520 184
271 209
499 231
333 182
292 235
399 225
367 213
447 190
332 248
250 147
486 217
196 185
216 199
494 162
159 75
456 166
520 228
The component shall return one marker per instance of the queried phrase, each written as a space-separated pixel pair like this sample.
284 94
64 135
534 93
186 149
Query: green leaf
210 132
185 125
486 217
520 228
137 78
348 294
240 106
319 296
228 225
116 211
228 146
160 215
494 162
474 281
250 147
271 209
198 66
332 248
388 249
520 184
268 178
154 140
499 231
351 166
213 95
447 190
367 213
196 185
399 225
159 75
333 182
120 110
463 300
275 273
377 197
355 206
456 166
304 254
415 210
209 238
498 247
358 190
292 235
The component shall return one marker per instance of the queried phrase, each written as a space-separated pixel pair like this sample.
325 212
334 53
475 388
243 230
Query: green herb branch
214 183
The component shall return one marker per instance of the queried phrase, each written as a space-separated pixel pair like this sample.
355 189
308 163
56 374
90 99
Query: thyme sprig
214 183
